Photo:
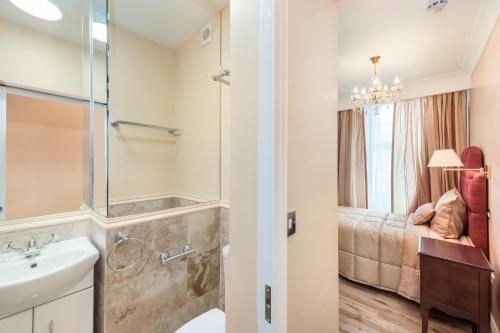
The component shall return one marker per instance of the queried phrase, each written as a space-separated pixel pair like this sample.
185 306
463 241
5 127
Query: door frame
272 216
272 236
280 233
258 196
3 149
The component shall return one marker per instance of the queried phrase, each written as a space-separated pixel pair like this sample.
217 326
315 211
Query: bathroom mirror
165 88
46 47
52 107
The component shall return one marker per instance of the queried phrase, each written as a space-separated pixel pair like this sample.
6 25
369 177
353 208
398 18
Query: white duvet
381 249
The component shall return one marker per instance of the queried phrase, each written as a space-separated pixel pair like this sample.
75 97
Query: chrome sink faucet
32 248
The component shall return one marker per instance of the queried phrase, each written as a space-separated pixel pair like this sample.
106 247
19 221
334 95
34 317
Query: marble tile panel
224 226
185 202
170 234
155 298
148 206
222 287
99 298
19 238
203 274
135 305
81 229
129 253
224 240
202 304
97 236
175 319
203 230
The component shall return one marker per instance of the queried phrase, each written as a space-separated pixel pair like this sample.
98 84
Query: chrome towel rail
165 257
120 239
170 130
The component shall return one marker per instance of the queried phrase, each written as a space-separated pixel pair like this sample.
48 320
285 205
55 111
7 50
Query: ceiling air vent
435 6
206 34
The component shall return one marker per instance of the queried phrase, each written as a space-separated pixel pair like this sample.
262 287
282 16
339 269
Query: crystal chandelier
377 92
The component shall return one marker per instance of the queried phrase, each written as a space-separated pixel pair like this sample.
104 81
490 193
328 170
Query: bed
380 249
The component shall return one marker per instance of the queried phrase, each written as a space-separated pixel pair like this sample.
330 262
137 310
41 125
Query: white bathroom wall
153 84
197 103
241 286
141 89
312 166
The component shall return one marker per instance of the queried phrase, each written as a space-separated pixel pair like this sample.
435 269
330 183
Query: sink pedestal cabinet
71 312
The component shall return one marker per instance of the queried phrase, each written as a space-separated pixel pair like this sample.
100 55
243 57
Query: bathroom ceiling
169 23
166 22
413 43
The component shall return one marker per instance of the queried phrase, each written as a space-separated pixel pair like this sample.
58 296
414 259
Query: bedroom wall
485 117
312 166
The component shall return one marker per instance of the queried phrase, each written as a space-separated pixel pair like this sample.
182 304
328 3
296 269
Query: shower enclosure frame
271 239
3 147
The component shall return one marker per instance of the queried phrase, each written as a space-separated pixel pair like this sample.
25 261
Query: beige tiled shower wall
153 297
224 240
63 232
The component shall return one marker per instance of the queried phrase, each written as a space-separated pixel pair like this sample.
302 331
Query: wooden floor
365 309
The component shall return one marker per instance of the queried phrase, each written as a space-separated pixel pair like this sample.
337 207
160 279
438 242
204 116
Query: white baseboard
493 324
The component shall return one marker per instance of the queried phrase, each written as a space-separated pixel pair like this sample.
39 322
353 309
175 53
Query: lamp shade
445 158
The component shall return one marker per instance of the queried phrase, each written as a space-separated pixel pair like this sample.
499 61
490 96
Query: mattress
381 249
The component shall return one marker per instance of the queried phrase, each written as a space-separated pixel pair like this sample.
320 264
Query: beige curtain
351 159
446 129
421 126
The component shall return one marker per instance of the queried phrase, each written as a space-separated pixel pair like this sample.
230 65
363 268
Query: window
378 132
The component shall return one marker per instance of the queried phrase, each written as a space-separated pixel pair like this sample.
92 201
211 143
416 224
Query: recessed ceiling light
100 32
43 9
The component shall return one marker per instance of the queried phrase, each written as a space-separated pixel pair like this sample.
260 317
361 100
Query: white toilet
212 321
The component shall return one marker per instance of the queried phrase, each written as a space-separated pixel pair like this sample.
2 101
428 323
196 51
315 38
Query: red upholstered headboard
474 192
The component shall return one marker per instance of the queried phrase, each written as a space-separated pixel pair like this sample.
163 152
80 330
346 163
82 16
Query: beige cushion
451 213
424 213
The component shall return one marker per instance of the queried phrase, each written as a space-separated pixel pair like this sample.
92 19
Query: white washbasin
25 283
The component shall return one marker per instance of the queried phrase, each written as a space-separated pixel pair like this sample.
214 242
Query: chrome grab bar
165 257
170 130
